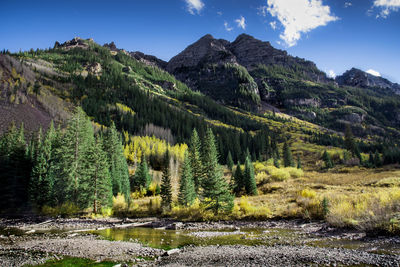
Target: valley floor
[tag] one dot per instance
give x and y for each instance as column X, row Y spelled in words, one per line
column 36, row 241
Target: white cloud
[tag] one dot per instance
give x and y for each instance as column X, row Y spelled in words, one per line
column 241, row 22
column 227, row 28
column 273, row 25
column 331, row 74
column 373, row 72
column 386, row 7
column 262, row 11
column 219, row 13
column 194, row 5
column 299, row 17
column 347, row 4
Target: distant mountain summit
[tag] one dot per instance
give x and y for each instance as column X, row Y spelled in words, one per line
column 220, row 68
column 358, row 78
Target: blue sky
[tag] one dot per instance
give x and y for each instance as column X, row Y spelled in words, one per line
column 335, row 34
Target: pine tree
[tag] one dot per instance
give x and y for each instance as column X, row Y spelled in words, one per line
column 187, row 193
column 117, row 161
column 287, row 156
column 43, row 173
column 238, row 183
column 350, row 143
column 299, row 165
column 99, row 182
column 327, row 160
column 229, row 161
column 15, row 169
column 215, row 189
column 77, row 140
column 195, row 160
column 166, row 187
column 249, row 179
column 142, row 178
column 377, row 159
column 371, row 160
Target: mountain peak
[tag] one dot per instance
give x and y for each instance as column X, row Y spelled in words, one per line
column 244, row 36
column 206, row 49
column 207, row 37
column 359, row 78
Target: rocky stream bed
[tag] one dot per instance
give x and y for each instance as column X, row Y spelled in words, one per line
column 162, row 242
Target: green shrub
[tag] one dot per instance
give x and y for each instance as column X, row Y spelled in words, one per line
column 294, row 172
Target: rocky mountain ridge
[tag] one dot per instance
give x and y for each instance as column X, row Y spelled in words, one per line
column 358, row 78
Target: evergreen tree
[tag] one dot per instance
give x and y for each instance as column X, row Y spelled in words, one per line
column 187, row 193
column 350, row 143
column 36, row 88
column 142, row 178
column 74, row 159
column 166, row 187
column 215, row 189
column 117, row 161
column 287, row 156
column 276, row 162
column 195, row 160
column 249, row 179
column 99, row 182
column 299, row 165
column 229, row 161
column 377, row 159
column 238, row 183
column 327, row 160
column 43, row 173
column 371, row 160
column 15, row 168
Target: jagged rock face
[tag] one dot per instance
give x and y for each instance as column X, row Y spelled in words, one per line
column 359, row 78
column 192, row 65
column 111, row 46
column 311, row 102
column 251, row 52
column 149, row 60
column 205, row 51
column 354, row 118
column 77, row 42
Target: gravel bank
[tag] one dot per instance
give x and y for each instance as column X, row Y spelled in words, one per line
column 273, row 256
column 21, row 251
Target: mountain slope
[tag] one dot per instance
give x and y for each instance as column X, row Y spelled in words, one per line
column 251, row 74
column 112, row 84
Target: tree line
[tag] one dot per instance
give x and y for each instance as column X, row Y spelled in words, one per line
column 74, row 165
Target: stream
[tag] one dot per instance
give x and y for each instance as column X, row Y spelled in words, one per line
column 162, row 242
column 170, row 239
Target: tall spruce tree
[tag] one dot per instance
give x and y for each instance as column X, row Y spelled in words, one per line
column 99, row 193
column 74, row 151
column 166, row 187
column 249, row 179
column 229, row 161
column 15, row 169
column 377, row 159
column 118, row 166
column 238, row 183
column 142, row 177
column 287, row 156
column 299, row 165
column 215, row 189
column 187, row 193
column 327, row 160
column 195, row 160
column 43, row 173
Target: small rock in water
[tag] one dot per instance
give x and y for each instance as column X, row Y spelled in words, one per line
column 171, row 251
